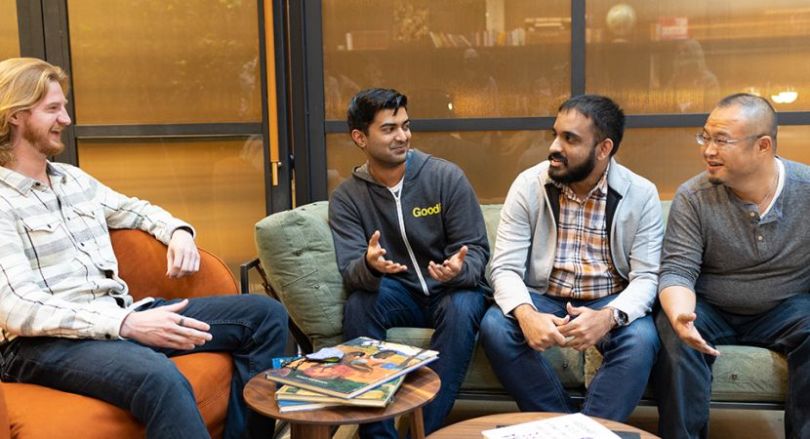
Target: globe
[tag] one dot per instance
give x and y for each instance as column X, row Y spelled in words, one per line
column 621, row 19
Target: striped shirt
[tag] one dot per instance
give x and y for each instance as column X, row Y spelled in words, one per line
column 583, row 268
column 58, row 273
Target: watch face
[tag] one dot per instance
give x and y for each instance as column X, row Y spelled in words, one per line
column 620, row 317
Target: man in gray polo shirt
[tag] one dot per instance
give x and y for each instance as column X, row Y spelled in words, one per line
column 735, row 267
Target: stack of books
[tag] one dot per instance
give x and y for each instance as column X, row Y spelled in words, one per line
column 362, row 372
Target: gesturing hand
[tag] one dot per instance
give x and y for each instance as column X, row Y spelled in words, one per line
column 182, row 258
column 539, row 329
column 588, row 327
column 684, row 326
column 450, row 268
column 375, row 257
column 164, row 327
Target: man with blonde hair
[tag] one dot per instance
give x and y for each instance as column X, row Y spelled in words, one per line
column 66, row 318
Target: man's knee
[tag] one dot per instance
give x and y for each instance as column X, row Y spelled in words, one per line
column 161, row 379
column 358, row 303
column 641, row 343
column 494, row 327
column 261, row 304
column 466, row 306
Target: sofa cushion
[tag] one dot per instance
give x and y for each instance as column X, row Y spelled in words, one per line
column 747, row 373
column 297, row 253
column 37, row 412
column 740, row 374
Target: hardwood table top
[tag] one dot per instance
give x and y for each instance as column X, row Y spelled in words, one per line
column 419, row 388
column 472, row 428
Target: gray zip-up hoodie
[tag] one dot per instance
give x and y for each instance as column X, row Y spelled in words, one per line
column 436, row 213
column 527, row 239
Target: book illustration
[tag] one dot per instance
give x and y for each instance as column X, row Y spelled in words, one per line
column 365, row 364
column 299, row 406
column 278, row 362
column 379, row 396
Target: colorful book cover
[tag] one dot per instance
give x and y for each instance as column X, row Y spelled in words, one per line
column 365, row 363
column 377, row 397
column 299, row 406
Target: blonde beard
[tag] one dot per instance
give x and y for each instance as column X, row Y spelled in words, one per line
column 43, row 144
column 50, row 149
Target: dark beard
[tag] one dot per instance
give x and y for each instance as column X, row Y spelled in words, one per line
column 575, row 174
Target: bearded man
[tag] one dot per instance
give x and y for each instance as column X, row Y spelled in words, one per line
column 576, row 264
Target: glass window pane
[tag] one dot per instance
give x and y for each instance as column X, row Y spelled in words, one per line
column 9, row 36
column 681, row 57
column 171, row 61
column 665, row 156
column 670, row 156
column 453, row 58
column 792, row 143
column 490, row 159
column 216, row 185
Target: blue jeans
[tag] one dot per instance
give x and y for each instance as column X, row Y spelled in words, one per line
column 683, row 376
column 142, row 380
column 455, row 316
column 629, row 353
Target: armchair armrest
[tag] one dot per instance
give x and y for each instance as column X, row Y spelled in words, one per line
column 5, row 427
column 244, row 275
column 142, row 264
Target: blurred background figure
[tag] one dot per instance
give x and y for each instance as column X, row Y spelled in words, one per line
column 694, row 86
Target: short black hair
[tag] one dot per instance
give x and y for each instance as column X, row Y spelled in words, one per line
column 365, row 105
column 607, row 117
column 757, row 108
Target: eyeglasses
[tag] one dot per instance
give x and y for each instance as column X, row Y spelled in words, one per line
column 722, row 142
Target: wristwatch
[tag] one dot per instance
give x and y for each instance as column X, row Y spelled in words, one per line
column 619, row 317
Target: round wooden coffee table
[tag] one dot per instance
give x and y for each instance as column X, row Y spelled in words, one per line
column 472, row 428
column 419, row 388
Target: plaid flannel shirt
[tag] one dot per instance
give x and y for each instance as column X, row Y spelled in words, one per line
column 58, row 273
column 583, row 268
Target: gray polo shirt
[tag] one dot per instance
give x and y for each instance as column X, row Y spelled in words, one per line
column 718, row 246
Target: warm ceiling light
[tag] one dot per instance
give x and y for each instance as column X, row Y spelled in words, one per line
column 785, row 97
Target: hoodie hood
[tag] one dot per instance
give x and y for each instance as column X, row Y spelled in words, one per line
column 415, row 161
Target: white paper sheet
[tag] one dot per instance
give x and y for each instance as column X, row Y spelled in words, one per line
column 576, row 426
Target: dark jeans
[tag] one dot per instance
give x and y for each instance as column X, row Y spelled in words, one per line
column 683, row 376
column 455, row 316
column 145, row 382
column 629, row 353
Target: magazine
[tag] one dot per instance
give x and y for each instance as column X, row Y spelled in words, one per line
column 377, row 397
column 298, row 406
column 361, row 364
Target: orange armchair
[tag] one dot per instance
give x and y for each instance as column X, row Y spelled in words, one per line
column 36, row 412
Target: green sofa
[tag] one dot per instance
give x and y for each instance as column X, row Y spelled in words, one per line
column 296, row 256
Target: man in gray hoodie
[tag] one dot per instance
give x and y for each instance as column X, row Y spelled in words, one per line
column 411, row 246
column 575, row 264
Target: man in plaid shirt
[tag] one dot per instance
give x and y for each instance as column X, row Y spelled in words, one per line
column 576, row 264
column 66, row 318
